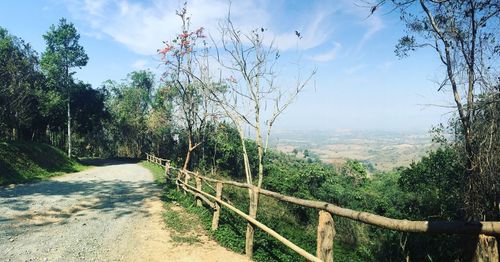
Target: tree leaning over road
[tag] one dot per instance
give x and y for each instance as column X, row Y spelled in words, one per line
column 63, row 52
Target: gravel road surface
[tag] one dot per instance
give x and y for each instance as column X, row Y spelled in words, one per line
column 107, row 213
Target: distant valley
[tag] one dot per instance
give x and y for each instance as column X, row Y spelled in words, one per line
column 383, row 150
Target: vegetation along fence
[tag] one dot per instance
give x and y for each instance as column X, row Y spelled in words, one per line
column 326, row 229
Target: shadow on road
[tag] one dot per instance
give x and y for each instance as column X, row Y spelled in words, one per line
column 108, row 161
column 57, row 201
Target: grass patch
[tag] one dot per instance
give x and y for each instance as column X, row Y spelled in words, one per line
column 184, row 225
column 157, row 171
column 25, row 161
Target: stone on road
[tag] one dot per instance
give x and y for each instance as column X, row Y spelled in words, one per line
column 107, row 213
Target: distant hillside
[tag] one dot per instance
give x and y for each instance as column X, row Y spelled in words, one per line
column 383, row 149
column 22, row 162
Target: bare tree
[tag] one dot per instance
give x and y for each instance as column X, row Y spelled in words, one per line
column 245, row 94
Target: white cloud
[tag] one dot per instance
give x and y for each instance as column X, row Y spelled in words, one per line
column 313, row 35
column 93, row 34
column 356, row 68
column 374, row 24
column 140, row 64
column 142, row 27
column 329, row 55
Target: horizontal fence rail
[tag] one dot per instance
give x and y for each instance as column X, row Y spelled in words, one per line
column 324, row 253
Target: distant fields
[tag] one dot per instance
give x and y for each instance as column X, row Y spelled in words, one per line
column 384, row 150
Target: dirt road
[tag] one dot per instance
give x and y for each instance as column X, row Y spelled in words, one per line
column 107, row 213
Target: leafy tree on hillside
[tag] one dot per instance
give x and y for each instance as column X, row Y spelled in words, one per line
column 63, row 52
column 130, row 106
column 89, row 118
column 159, row 122
column 433, row 190
column 21, row 87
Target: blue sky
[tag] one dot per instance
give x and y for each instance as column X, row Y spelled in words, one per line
column 360, row 83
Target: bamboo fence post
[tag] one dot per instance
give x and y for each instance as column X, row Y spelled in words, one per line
column 178, row 179
column 326, row 233
column 218, row 195
column 252, row 212
column 167, row 167
column 486, row 249
column 186, row 181
column 198, row 186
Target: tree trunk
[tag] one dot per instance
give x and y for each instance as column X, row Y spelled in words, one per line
column 188, row 154
column 252, row 212
column 69, row 128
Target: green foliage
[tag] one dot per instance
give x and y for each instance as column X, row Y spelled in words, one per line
column 32, row 103
column 140, row 117
column 433, row 189
column 21, row 87
column 63, row 52
column 22, row 162
column 434, row 186
column 89, row 119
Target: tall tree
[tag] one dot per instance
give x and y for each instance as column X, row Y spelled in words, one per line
column 463, row 34
column 62, row 54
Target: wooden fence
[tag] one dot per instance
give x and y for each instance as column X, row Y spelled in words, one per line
column 326, row 228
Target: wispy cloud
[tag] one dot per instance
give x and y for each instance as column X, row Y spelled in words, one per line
column 140, row 64
column 373, row 24
column 356, row 68
column 142, row 27
column 329, row 55
column 314, row 34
